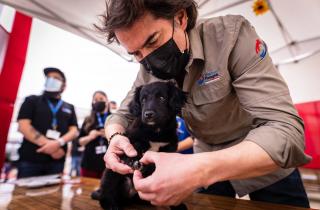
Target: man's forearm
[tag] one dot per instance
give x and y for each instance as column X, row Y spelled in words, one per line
column 245, row 160
column 113, row 128
column 30, row 133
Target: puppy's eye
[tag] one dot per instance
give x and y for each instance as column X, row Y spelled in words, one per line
column 162, row 99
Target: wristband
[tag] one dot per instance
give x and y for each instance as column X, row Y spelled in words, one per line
column 61, row 142
column 113, row 135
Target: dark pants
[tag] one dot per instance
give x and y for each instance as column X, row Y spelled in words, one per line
column 27, row 169
column 76, row 165
column 288, row 191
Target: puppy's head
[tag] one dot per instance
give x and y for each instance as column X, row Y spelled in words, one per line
column 157, row 103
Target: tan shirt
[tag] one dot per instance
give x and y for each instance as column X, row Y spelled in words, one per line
column 235, row 94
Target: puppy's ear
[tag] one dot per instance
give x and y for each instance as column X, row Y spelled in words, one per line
column 135, row 106
column 177, row 98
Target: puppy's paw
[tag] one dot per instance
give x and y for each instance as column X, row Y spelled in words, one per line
column 96, row 195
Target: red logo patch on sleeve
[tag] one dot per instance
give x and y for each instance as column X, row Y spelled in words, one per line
column 261, row 48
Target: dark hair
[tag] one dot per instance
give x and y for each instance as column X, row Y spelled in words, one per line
column 123, row 13
column 48, row 70
column 91, row 119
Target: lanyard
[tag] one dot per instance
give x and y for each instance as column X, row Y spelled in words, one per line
column 101, row 121
column 54, row 111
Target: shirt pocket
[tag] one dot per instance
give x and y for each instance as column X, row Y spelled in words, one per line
column 212, row 91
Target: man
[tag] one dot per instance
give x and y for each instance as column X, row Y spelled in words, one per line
column 249, row 137
column 47, row 124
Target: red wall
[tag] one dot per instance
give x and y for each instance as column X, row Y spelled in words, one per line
column 310, row 113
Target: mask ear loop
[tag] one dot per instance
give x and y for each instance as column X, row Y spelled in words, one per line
column 185, row 36
column 172, row 28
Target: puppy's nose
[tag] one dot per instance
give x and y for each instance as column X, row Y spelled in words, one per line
column 149, row 114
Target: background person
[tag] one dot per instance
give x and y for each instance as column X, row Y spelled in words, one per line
column 92, row 137
column 47, row 124
column 185, row 145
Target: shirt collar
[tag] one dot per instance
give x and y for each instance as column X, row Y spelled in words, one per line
column 196, row 44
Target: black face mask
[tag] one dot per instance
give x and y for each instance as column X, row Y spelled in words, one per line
column 52, row 95
column 99, row 106
column 166, row 62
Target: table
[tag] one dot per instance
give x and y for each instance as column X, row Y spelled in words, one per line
column 76, row 195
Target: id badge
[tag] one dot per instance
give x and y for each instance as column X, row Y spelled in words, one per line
column 53, row 134
column 101, row 149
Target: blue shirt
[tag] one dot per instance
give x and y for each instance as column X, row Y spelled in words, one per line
column 183, row 134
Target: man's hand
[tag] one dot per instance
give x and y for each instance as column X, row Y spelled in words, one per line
column 119, row 145
column 58, row 154
column 176, row 177
column 50, row 147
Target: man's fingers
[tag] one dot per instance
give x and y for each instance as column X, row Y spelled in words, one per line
column 142, row 184
column 41, row 149
column 121, row 168
column 128, row 149
column 117, row 166
column 149, row 157
column 147, row 196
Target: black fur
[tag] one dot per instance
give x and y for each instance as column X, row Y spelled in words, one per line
column 154, row 107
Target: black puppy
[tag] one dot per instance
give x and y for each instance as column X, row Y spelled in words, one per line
column 155, row 107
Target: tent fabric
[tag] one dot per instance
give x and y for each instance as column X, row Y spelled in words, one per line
column 4, row 37
column 78, row 16
column 310, row 113
column 11, row 74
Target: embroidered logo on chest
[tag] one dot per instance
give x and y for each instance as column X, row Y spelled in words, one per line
column 66, row 110
column 208, row 77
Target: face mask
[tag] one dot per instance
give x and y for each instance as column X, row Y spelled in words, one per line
column 166, row 62
column 99, row 106
column 52, row 85
column 113, row 110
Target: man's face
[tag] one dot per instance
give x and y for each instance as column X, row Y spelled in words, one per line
column 149, row 33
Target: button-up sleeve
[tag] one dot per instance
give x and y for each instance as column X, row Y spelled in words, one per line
column 263, row 93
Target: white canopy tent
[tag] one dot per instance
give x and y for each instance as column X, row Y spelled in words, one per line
column 291, row 31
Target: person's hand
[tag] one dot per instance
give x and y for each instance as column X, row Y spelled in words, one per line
column 58, row 154
column 119, row 145
column 102, row 133
column 49, row 147
column 176, row 177
column 94, row 134
column 42, row 140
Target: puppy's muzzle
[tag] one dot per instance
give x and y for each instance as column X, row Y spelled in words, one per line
column 149, row 116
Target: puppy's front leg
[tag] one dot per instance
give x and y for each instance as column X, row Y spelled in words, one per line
column 111, row 190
